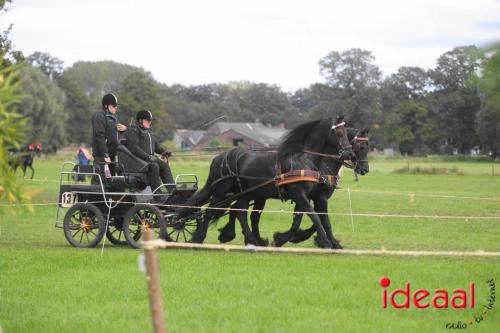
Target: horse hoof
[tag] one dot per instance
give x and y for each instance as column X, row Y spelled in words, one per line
column 251, row 241
column 276, row 240
column 197, row 240
column 337, row 246
column 263, row 242
column 322, row 244
column 223, row 238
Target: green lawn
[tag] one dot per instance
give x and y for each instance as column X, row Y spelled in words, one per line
column 48, row 286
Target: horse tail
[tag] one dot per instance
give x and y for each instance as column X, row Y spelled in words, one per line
column 202, row 196
column 196, row 200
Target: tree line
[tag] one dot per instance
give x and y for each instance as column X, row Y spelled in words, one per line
column 453, row 107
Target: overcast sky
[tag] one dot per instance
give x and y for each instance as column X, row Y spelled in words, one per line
column 273, row 41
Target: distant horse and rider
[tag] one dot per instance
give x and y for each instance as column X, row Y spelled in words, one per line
column 304, row 168
column 24, row 157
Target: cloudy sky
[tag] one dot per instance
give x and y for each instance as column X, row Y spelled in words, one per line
column 273, row 41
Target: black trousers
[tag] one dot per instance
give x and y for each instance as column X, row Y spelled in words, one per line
column 157, row 170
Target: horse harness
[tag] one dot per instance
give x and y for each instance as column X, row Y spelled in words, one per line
column 282, row 178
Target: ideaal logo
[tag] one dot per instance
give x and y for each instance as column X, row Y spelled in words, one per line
column 440, row 299
column 423, row 298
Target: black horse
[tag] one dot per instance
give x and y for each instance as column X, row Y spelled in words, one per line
column 238, row 176
column 329, row 170
column 361, row 148
column 24, row 157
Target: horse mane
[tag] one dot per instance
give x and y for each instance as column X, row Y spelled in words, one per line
column 307, row 135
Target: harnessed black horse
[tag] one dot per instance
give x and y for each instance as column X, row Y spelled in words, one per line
column 329, row 171
column 24, row 157
column 238, row 176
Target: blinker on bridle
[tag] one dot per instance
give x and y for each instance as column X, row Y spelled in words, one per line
column 342, row 148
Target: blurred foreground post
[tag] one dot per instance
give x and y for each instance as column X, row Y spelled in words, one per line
column 153, row 277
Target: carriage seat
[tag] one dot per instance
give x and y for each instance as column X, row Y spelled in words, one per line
column 131, row 167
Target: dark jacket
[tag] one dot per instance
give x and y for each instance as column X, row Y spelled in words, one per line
column 104, row 134
column 143, row 143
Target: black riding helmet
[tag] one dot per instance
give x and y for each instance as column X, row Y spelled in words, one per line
column 109, row 99
column 144, row 114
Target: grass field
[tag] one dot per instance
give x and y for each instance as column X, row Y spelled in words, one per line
column 48, row 286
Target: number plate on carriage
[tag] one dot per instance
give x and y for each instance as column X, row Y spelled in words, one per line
column 68, row 199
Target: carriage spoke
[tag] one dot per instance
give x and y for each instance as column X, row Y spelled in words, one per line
column 73, row 236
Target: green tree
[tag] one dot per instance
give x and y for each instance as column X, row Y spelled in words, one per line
column 194, row 106
column 455, row 101
column 488, row 117
column 315, row 102
column 407, row 84
column 43, row 103
column 355, row 81
column 12, row 128
column 267, row 104
column 409, row 126
column 140, row 91
column 51, row 66
column 99, row 78
column 12, row 124
column 7, row 52
column 79, row 108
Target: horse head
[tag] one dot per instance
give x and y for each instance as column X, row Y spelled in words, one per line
column 340, row 139
column 360, row 145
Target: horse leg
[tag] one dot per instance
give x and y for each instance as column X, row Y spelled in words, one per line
column 227, row 232
column 302, row 204
column 321, row 206
column 24, row 171
column 242, row 215
column 32, row 171
column 258, row 206
column 303, row 234
column 201, row 231
column 281, row 238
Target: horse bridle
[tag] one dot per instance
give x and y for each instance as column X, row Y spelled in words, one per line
column 342, row 148
column 356, row 139
column 341, row 151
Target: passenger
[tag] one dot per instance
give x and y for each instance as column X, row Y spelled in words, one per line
column 142, row 142
column 105, row 128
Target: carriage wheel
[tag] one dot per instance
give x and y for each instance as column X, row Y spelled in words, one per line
column 84, row 225
column 140, row 218
column 115, row 232
column 181, row 230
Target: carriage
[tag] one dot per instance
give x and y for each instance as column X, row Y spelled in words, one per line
column 121, row 207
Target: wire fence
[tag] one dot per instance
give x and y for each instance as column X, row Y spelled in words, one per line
column 414, row 194
column 282, row 211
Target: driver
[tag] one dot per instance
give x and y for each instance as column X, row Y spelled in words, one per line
column 142, row 142
column 105, row 128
